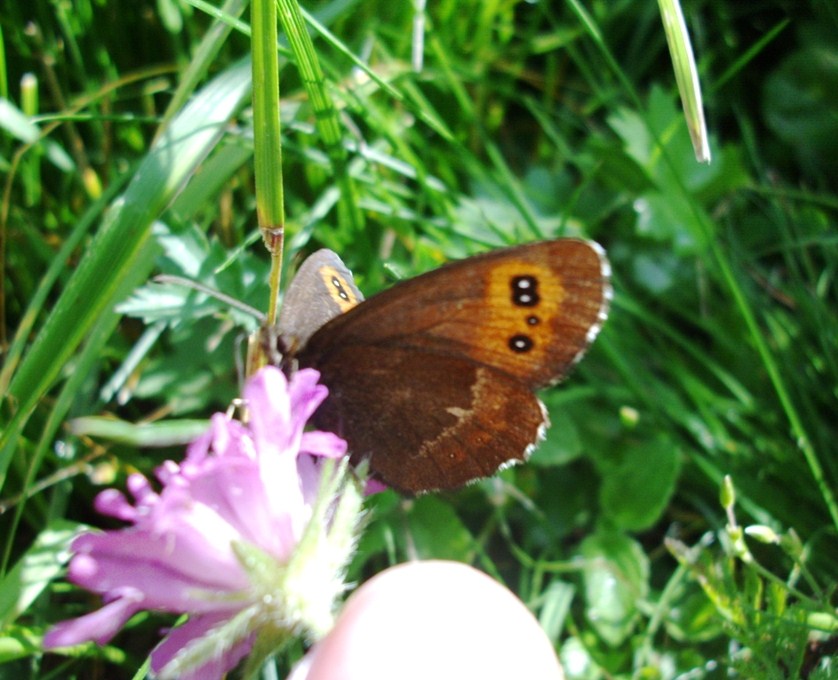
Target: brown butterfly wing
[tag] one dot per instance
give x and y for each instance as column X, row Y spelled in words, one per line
column 427, row 420
column 432, row 380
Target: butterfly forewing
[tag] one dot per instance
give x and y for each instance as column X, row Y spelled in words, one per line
column 531, row 310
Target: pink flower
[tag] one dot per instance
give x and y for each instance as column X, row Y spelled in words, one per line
column 221, row 541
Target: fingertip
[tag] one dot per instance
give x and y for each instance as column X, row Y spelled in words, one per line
column 437, row 619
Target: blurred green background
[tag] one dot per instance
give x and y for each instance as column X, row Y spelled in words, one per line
column 457, row 128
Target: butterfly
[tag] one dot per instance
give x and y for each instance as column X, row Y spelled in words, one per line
column 433, row 380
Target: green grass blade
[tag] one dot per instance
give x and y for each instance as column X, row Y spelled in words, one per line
column 119, row 245
column 325, row 112
column 686, row 75
column 204, row 56
column 267, row 135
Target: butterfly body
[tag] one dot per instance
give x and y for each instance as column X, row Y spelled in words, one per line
column 432, row 381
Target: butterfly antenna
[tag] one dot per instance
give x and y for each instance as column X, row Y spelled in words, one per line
column 206, row 290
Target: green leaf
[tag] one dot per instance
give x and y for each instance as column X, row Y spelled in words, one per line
column 635, row 494
column 693, row 617
column 437, row 532
column 555, row 607
column 616, row 579
column 37, row 567
column 562, row 442
column 17, row 643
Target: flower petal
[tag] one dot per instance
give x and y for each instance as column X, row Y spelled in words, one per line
column 269, row 410
column 326, row 444
column 99, row 626
column 195, row 628
column 305, row 395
